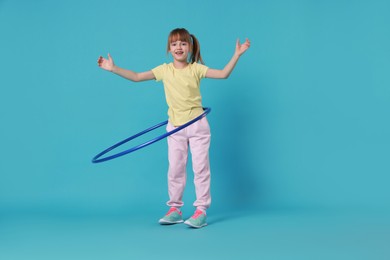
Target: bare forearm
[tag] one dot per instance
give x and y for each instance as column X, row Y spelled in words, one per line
column 226, row 71
column 125, row 73
column 230, row 66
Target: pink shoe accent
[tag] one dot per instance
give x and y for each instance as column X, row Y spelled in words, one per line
column 197, row 214
column 173, row 210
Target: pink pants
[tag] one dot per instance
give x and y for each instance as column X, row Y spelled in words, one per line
column 197, row 137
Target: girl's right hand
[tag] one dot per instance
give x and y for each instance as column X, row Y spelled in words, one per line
column 106, row 64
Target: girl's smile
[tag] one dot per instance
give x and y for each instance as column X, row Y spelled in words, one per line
column 180, row 50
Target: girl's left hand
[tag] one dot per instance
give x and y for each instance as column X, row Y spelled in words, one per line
column 241, row 48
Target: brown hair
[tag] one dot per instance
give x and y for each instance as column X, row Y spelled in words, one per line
column 181, row 34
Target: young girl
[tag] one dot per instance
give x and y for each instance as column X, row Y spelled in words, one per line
column 181, row 80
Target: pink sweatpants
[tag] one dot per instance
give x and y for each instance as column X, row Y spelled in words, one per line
column 197, row 137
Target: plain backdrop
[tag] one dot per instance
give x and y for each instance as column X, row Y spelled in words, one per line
column 303, row 121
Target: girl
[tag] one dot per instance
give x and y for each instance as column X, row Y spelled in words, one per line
column 181, row 80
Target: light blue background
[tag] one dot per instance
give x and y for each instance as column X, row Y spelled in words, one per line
column 302, row 122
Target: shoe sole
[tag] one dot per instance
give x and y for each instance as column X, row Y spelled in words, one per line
column 164, row 222
column 191, row 225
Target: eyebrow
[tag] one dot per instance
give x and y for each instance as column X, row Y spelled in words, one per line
column 178, row 41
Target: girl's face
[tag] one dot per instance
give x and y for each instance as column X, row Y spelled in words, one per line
column 179, row 50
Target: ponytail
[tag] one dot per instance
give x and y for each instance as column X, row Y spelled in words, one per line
column 195, row 55
column 183, row 35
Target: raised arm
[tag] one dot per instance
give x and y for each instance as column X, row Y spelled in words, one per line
column 224, row 74
column 109, row 65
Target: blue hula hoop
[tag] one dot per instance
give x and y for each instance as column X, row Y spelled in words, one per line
column 97, row 158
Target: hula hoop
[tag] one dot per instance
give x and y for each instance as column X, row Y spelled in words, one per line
column 97, row 158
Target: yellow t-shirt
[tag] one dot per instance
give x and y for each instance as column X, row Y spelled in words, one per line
column 182, row 90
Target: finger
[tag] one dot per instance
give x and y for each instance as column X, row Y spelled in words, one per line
column 238, row 44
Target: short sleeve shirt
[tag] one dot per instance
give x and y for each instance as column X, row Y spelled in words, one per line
column 182, row 90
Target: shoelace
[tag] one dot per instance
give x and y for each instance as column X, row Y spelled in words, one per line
column 197, row 214
column 172, row 210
